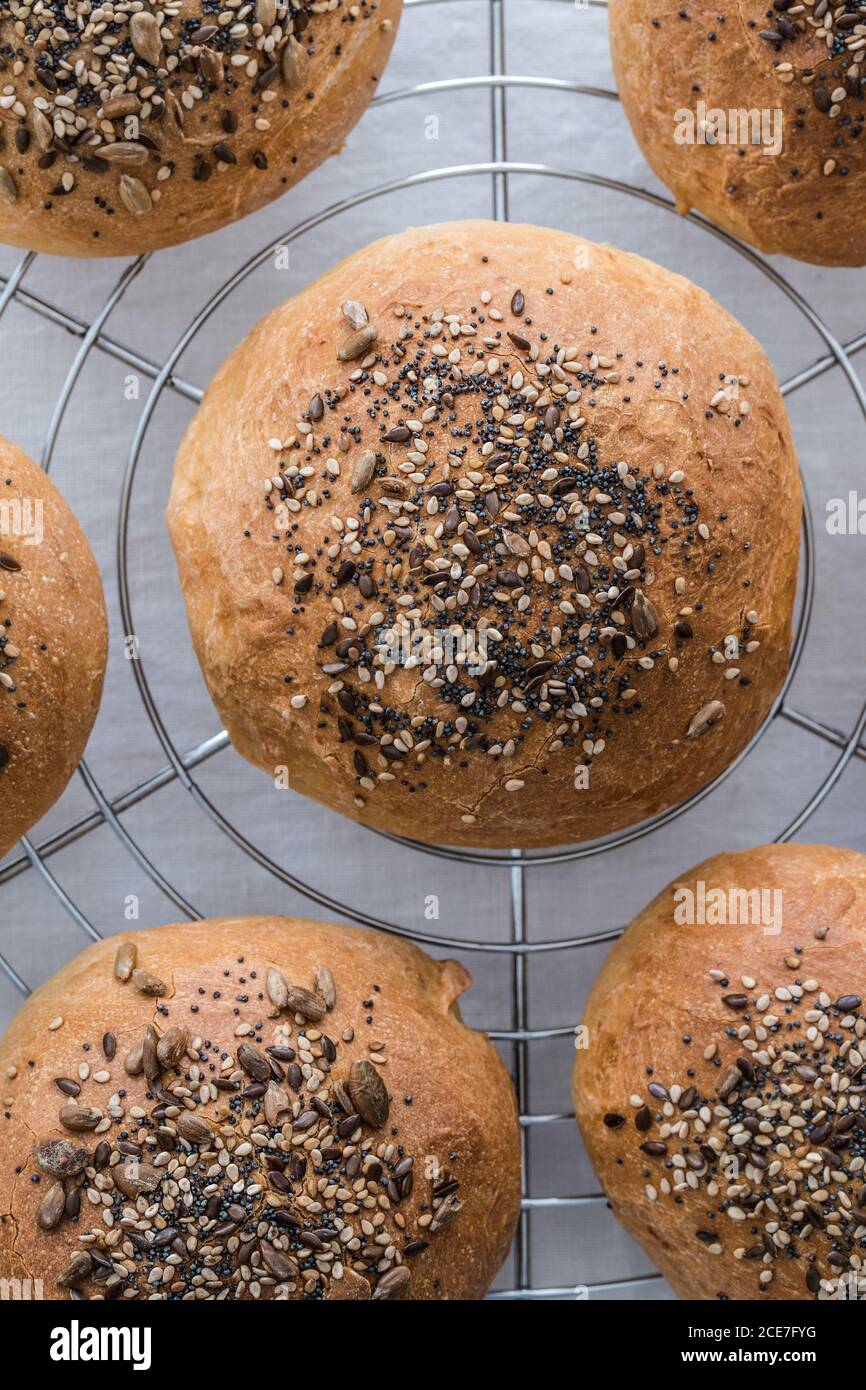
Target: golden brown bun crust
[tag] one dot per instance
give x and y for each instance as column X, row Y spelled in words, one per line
column 452, row 1104
column 259, row 640
column 53, row 610
column 218, row 147
column 654, row 990
column 792, row 203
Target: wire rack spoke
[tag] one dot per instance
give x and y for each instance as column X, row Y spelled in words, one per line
column 78, row 328
column 820, row 729
column 128, row 799
column 10, row 286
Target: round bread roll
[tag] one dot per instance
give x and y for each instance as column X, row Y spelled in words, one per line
column 255, row 1107
column 146, row 125
column 754, row 115
column 722, row 1090
column 490, row 537
column 53, row 643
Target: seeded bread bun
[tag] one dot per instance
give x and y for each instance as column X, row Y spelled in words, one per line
column 53, row 643
column 255, row 1107
column 787, row 170
column 525, row 446
column 722, row 1091
column 151, row 125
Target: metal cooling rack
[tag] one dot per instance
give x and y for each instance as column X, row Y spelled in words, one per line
column 182, row 764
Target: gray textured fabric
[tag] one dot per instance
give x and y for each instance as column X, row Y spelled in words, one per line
column 556, row 42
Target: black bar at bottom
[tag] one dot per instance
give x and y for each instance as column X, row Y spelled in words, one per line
column 148, row 1336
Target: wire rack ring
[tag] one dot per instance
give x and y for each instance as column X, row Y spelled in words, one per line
column 176, row 758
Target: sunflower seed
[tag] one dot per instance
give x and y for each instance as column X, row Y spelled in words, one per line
column 51, row 1208
column 147, row 983
column 354, row 313
column 171, row 1047
column 369, row 1094
column 276, row 1105
column 294, row 64
column 326, row 987
column 192, row 1129
column 254, row 1062
column 515, row 544
column 80, row 1118
column 731, row 1079
column 101, row 1155
column 8, row 186
column 126, row 104
column 445, row 1212
column 281, row 1266
column 145, row 36
column 149, row 1055
column 363, row 469
column 124, row 960
column 43, row 130
column 60, row 1157
column 357, row 343
column 343, row 1099
column 173, row 113
column 303, row 1001
column 109, row 1046
column 278, row 989
column 393, row 1284
column 644, row 616
column 211, row 66
column 123, row 154
column 265, row 77
column 134, row 1178
column 134, row 195
column 705, row 718
column 78, row 1269
column 132, row 1062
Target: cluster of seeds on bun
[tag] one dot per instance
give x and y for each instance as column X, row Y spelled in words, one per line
column 102, row 90
column 488, row 541
column 836, row 85
column 772, row 1163
column 9, row 652
column 262, row 1168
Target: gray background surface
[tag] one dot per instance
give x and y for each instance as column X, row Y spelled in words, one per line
column 570, row 1244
